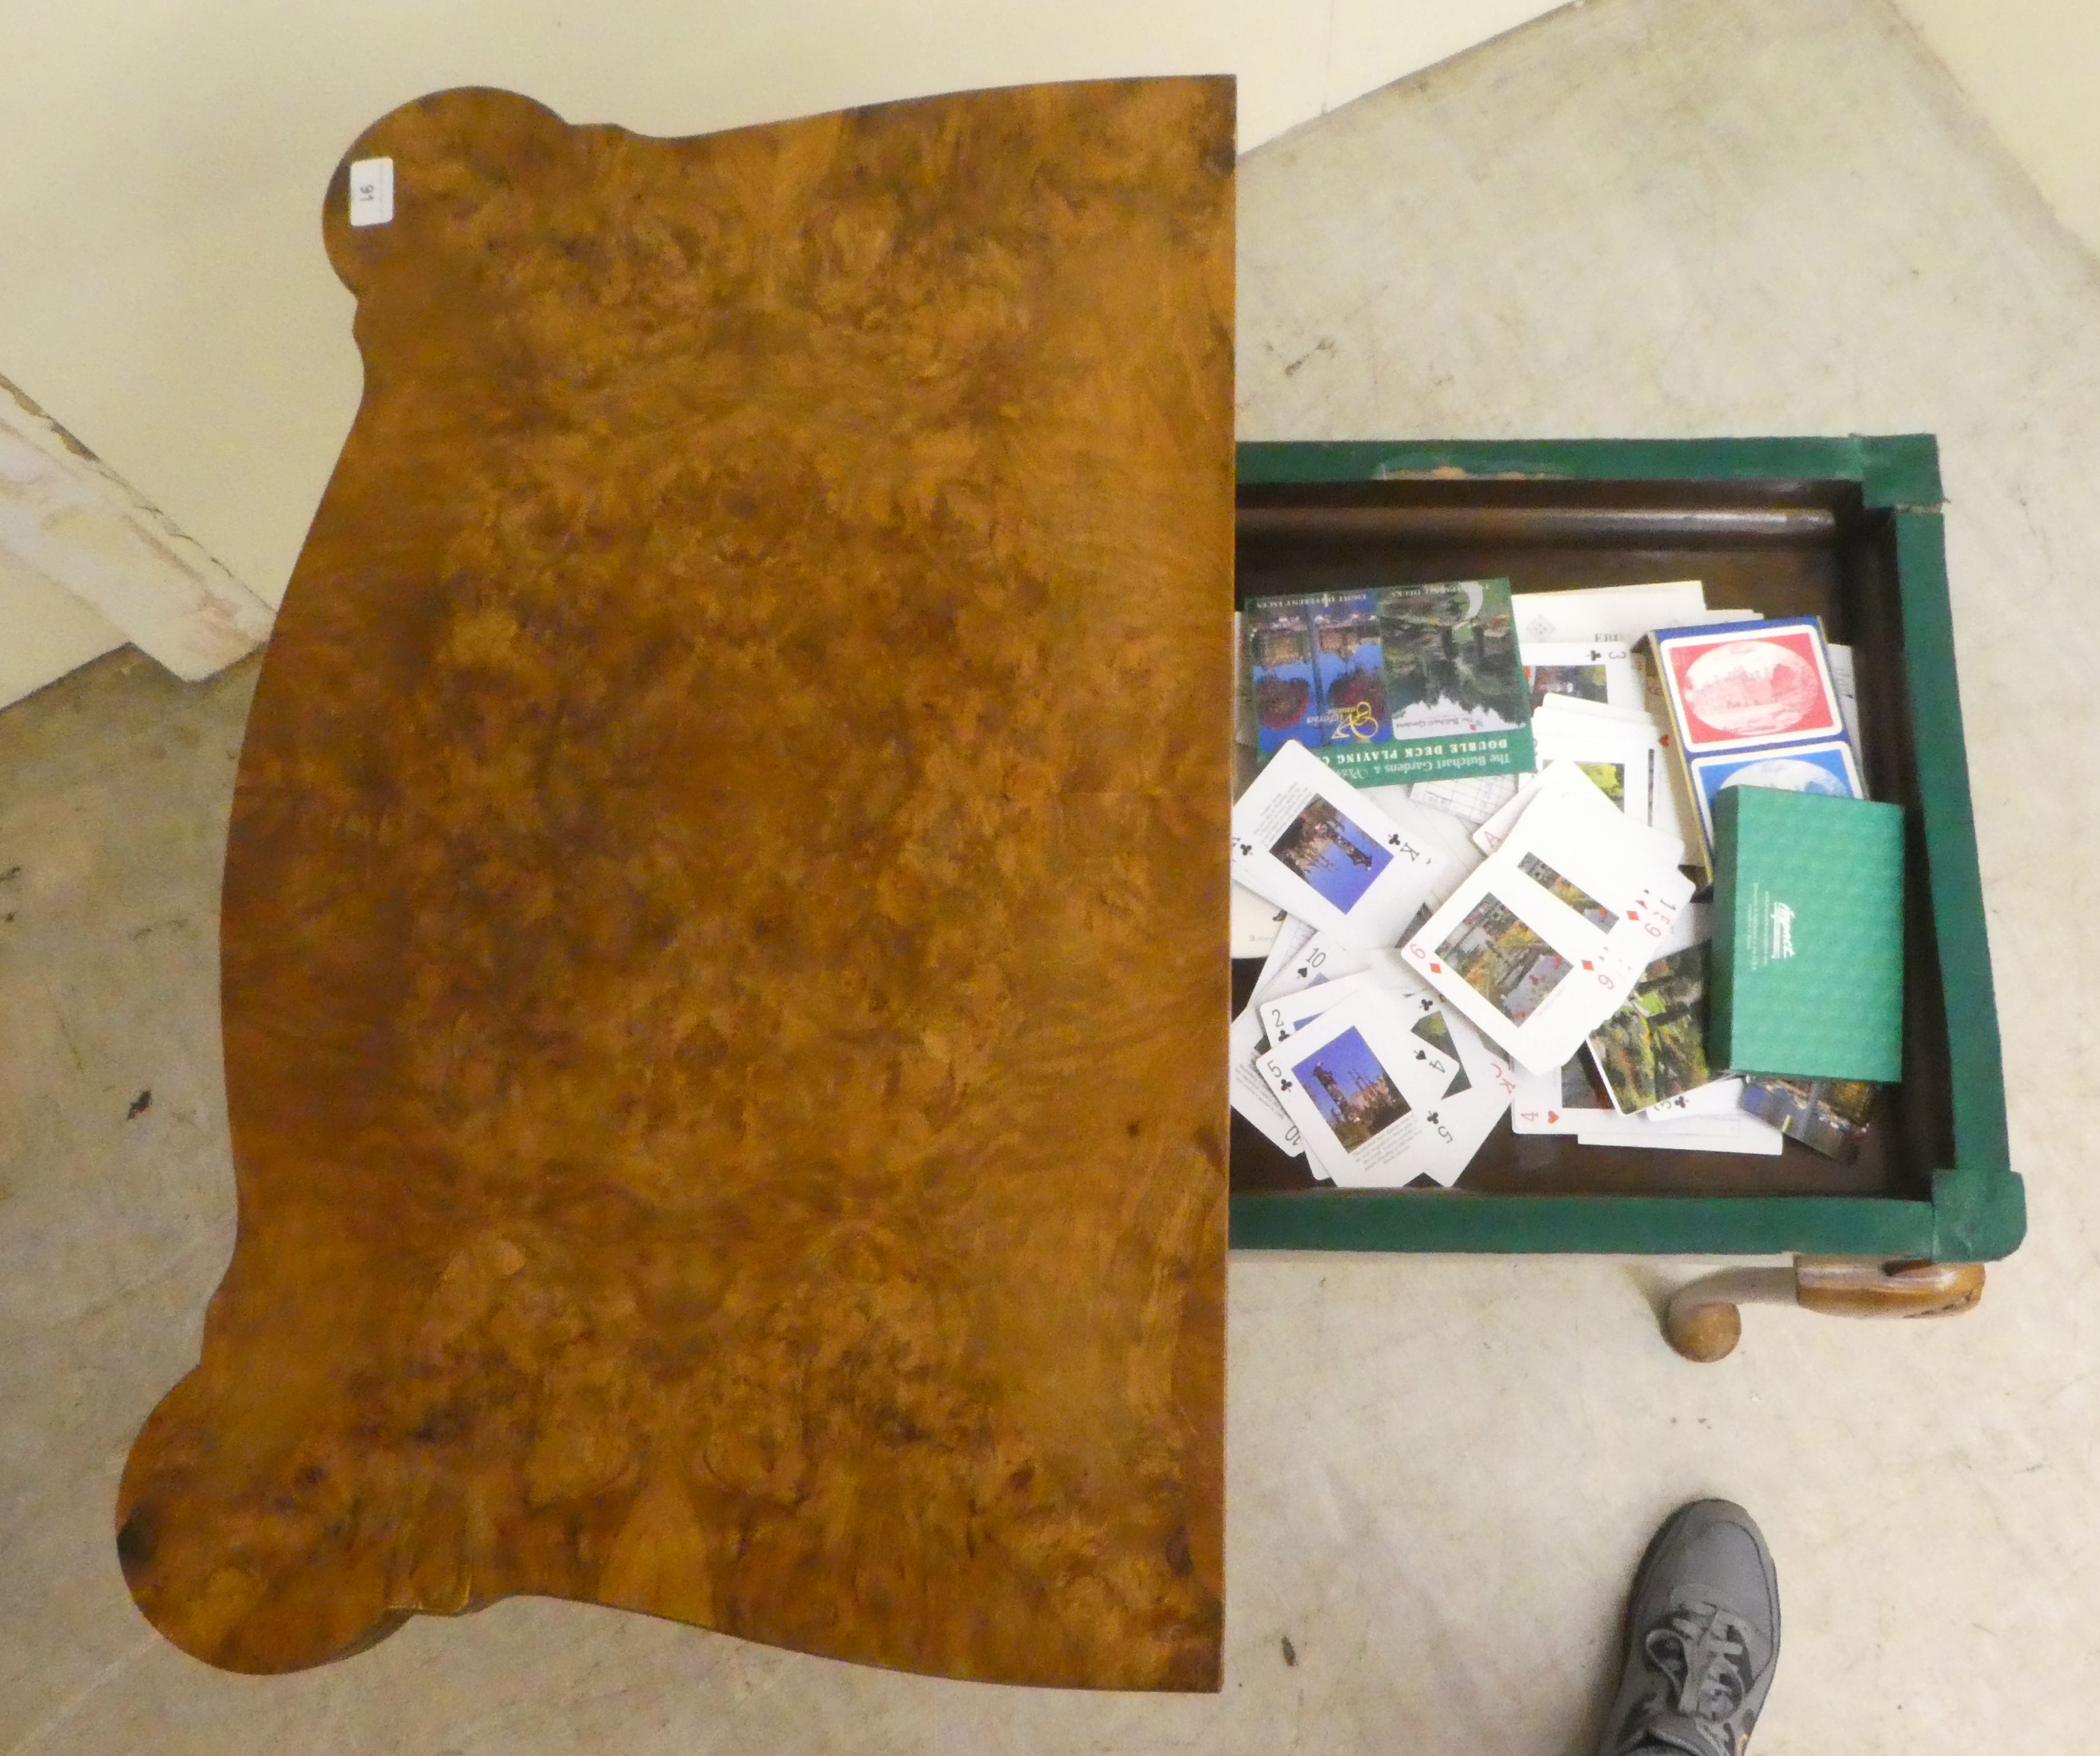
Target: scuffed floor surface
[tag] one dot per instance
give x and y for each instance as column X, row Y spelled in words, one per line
column 1638, row 217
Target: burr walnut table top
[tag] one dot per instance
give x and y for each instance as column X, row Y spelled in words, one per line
column 724, row 1002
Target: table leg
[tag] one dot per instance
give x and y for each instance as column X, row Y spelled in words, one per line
column 1703, row 1320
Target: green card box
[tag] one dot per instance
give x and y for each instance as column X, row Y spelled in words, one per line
column 1847, row 529
column 1808, row 948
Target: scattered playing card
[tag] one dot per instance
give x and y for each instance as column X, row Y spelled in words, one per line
column 1717, row 1097
column 1321, row 958
column 1653, row 1049
column 1542, row 943
column 1606, row 612
column 1473, row 1102
column 1613, row 749
column 1310, row 842
column 1566, row 779
column 1282, row 1017
column 1560, row 1100
column 1249, row 1092
column 1473, row 801
column 1832, row 1117
column 1254, row 922
column 1366, row 1092
column 1601, row 670
column 1741, row 1132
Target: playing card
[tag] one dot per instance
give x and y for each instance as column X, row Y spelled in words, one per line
column 1283, row 1017
column 1834, row 1117
column 1472, row 802
column 1653, row 1049
column 1569, row 778
column 1670, row 807
column 1542, row 942
column 1613, row 749
column 1495, row 831
column 1606, row 612
column 1443, row 832
column 1254, row 923
column 1473, row 1102
column 1848, row 699
column 1292, row 936
column 1310, row 843
column 1571, row 1100
column 1741, row 1132
column 1717, row 1097
column 1560, row 1100
column 1362, row 1087
column 1249, row 1093
column 1326, row 973
column 1601, row 670
column 1319, row 958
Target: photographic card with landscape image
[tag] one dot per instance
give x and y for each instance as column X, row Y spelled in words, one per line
column 1654, row 1047
column 1602, row 671
column 1310, row 843
column 1739, row 686
column 1362, row 1088
column 1830, row 768
column 1541, row 944
column 1832, row 1117
column 1392, row 683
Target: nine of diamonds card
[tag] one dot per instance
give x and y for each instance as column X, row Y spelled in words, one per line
column 1542, row 943
column 1310, row 843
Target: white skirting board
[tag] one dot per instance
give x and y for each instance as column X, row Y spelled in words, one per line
column 70, row 528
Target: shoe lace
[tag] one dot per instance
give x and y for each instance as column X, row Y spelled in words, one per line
column 1701, row 1656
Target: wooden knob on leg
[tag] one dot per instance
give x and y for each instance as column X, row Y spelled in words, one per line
column 1703, row 1320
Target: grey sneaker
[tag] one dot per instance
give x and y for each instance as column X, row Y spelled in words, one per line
column 1702, row 1638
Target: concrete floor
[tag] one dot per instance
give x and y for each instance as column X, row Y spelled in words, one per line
column 1636, row 217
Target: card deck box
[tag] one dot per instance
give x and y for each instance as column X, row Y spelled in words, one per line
column 1807, row 962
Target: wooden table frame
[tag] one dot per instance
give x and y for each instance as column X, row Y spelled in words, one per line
column 1964, row 1206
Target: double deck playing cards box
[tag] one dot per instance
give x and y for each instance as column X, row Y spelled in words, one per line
column 1392, row 683
column 1806, row 976
column 1754, row 704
